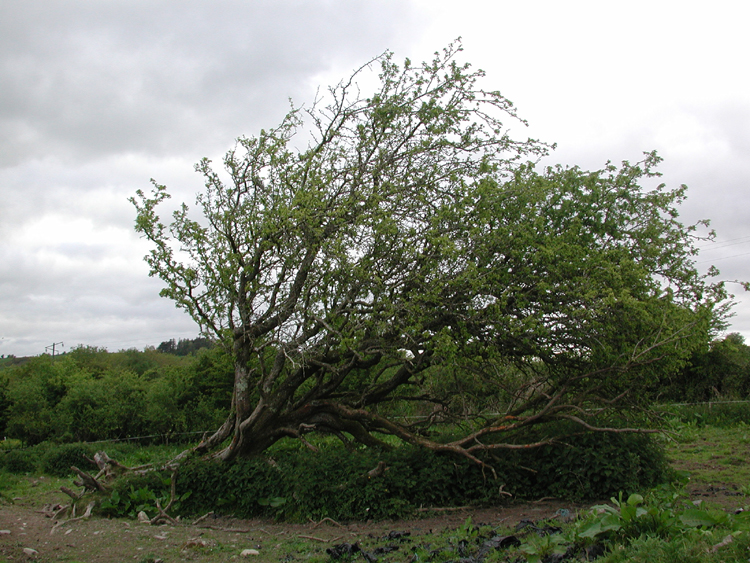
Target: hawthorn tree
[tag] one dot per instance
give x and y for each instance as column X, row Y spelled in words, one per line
column 375, row 255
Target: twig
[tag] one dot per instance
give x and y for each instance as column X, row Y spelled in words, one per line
column 202, row 518
column 320, row 539
column 326, row 520
column 237, row 530
column 85, row 515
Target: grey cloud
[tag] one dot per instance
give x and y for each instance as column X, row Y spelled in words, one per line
column 97, row 97
column 84, row 301
column 82, row 79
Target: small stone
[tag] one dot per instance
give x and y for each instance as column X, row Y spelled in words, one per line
column 4, row 532
column 30, row 552
column 249, row 552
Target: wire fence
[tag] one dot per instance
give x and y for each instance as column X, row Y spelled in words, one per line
column 709, row 403
column 173, row 435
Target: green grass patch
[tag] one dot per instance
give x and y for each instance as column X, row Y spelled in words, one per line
column 712, row 456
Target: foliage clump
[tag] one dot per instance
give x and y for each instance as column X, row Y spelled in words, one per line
column 293, row 484
column 717, row 371
column 90, row 394
column 58, row 460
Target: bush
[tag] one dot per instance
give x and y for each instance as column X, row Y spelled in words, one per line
column 134, row 493
column 298, row 485
column 597, row 465
column 722, row 415
column 19, row 461
column 58, row 460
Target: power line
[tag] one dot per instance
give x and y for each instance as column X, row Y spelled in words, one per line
column 725, row 243
column 53, row 347
column 724, row 258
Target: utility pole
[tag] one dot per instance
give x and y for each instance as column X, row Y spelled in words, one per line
column 53, row 347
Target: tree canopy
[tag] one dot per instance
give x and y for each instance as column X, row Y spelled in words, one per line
column 399, row 253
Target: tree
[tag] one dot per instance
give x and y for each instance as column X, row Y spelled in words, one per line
column 410, row 244
column 719, row 370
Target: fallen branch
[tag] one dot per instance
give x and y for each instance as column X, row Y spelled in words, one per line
column 320, row 539
column 85, row 515
column 60, row 512
column 87, row 481
column 52, row 510
column 162, row 515
column 202, row 518
column 271, row 533
column 163, row 511
column 71, row 493
column 221, row 529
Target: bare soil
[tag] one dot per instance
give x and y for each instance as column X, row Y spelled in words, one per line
column 25, row 526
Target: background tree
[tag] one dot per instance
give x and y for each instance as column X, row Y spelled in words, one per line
column 399, row 242
column 718, row 370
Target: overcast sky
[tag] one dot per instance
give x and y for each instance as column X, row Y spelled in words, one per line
column 98, row 97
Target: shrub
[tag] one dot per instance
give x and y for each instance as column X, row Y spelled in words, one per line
column 135, row 492
column 722, row 415
column 297, row 485
column 59, row 459
column 19, row 461
column 597, row 465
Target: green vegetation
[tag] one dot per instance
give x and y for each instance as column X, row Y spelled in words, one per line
column 659, row 524
column 294, row 485
column 719, row 370
column 90, row 394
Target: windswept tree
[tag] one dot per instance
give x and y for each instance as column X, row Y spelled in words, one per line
column 372, row 252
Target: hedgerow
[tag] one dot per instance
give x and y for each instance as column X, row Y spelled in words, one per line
column 298, row 485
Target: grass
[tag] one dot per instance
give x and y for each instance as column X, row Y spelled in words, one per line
column 716, row 459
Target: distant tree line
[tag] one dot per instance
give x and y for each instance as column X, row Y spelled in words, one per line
column 184, row 346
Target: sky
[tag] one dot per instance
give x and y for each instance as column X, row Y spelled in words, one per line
column 98, row 97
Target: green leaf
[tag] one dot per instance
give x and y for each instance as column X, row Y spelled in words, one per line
column 695, row 518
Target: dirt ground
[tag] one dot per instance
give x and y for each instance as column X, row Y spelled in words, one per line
column 24, row 526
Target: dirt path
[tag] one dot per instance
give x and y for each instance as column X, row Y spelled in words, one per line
column 25, row 526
